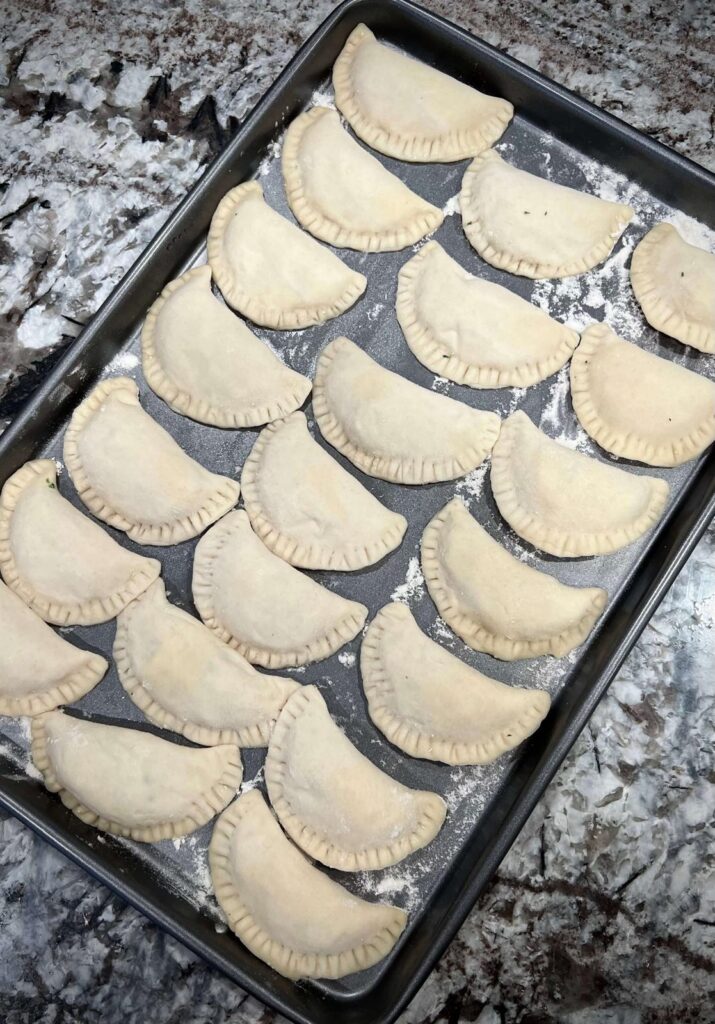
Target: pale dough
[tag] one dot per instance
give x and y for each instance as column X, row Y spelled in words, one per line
column 132, row 783
column 533, row 227
column 335, row 803
column 343, row 195
column 205, row 363
column 565, row 502
column 271, row 271
column 639, row 405
column 430, row 704
column 475, row 332
column 184, row 678
column 131, row 473
column 60, row 562
column 409, row 110
column 309, row 510
column 274, row 615
column 38, row 669
column 286, row 911
column 495, row 602
column 675, row 285
column 394, row 429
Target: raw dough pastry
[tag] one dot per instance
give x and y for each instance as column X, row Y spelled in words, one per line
column 64, row 566
column 394, row 429
column 132, row 474
column 675, row 285
column 533, row 227
column 272, row 614
column 343, row 195
column 184, row 678
column 495, row 602
column 409, row 110
column 205, row 363
column 638, row 405
column 475, row 332
column 287, row 912
column 310, row 511
column 333, row 802
column 270, row 270
column 565, row 502
column 130, row 782
column 38, row 669
column 430, row 704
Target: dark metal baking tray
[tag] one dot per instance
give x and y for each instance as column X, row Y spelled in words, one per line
column 554, row 133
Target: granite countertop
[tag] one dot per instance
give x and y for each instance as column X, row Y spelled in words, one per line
column 604, row 910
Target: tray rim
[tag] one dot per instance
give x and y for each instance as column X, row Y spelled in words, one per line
column 694, row 520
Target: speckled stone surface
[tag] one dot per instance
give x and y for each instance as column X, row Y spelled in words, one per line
column 604, row 911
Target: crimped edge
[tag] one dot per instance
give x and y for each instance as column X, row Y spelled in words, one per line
column 287, row 961
column 552, row 539
column 329, row 230
column 436, row 355
column 656, row 309
column 320, row 847
column 451, row 146
column 220, row 794
column 196, row 408
column 632, row 445
column 472, row 632
column 85, row 613
column 402, row 471
column 379, row 689
column 223, row 497
column 313, row 556
column 67, row 690
column 248, row 305
column 254, row 735
column 208, row 551
column 479, row 236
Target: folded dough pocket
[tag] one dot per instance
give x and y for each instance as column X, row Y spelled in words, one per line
column 335, row 803
column 60, row 562
column 533, row 227
column 409, row 110
column 131, row 473
column 274, row 615
column 132, row 783
column 286, row 911
column 343, row 195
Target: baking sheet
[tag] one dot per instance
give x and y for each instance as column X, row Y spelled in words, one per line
column 604, row 293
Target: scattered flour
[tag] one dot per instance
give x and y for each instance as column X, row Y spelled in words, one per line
column 451, row 207
column 123, row 362
column 413, row 588
column 470, row 487
column 346, row 658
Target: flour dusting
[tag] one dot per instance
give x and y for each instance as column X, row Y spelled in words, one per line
column 413, row 588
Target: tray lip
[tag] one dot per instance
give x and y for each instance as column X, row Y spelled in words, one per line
column 73, row 846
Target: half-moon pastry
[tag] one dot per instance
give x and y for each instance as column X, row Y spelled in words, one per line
column 131, row 473
column 674, row 283
column 637, row 404
column 495, row 602
column 132, row 783
column 475, row 332
column 274, row 615
column 270, row 270
column 205, row 363
column 343, row 195
column 394, row 429
column 61, row 563
column 533, row 227
column 307, row 509
column 409, row 110
column 335, row 803
column 565, row 502
column 184, row 678
column 286, row 911
column 430, row 704
column 38, row 669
